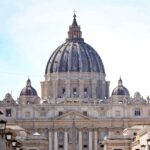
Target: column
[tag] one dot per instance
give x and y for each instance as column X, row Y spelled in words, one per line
column 80, row 140
column 50, row 140
column 55, row 141
column 93, row 89
column 107, row 88
column 68, row 90
column 103, row 90
column 95, row 140
column 54, row 88
column 90, row 140
column 42, row 90
column 66, row 141
column 81, row 87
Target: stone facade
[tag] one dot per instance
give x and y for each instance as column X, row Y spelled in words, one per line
column 92, row 121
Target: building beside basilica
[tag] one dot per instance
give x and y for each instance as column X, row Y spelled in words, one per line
column 75, row 111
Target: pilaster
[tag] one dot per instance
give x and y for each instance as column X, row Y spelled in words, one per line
column 80, row 140
column 55, row 140
column 90, row 140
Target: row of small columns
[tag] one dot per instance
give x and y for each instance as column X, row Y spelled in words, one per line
column 66, row 140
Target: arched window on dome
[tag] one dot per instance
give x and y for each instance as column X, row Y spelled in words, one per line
column 75, row 93
column 63, row 92
column 85, row 92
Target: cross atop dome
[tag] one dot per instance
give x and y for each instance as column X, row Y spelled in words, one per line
column 74, row 23
column 74, row 11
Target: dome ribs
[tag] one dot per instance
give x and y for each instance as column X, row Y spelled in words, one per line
column 54, row 65
column 47, row 70
column 100, row 66
column 86, row 48
column 80, row 58
column 69, row 56
column 74, row 59
column 63, row 64
column 85, row 59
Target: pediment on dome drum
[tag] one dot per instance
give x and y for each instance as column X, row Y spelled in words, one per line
column 72, row 116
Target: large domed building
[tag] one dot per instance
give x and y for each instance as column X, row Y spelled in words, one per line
column 75, row 111
column 75, row 70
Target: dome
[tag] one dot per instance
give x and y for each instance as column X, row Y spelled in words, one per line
column 137, row 95
column 120, row 89
column 74, row 55
column 28, row 90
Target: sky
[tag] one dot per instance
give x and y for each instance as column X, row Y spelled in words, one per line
column 30, row 30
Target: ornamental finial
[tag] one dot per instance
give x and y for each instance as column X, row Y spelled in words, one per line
column 28, row 82
column 74, row 33
column 120, row 82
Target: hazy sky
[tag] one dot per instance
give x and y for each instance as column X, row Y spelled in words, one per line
column 30, row 30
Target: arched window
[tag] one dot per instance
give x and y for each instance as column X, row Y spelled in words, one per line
column 117, row 133
column 72, row 136
column 8, row 112
column 75, row 92
column 60, row 136
column 137, row 112
column 85, row 92
column 85, row 136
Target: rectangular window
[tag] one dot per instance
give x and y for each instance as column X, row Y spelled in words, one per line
column 8, row 113
column 117, row 113
column 101, row 108
column 42, row 113
column 74, row 90
column 63, row 91
column 60, row 113
column 102, row 134
column 27, row 114
column 61, row 146
column 85, row 146
column 85, row 90
column 137, row 112
column 85, row 113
